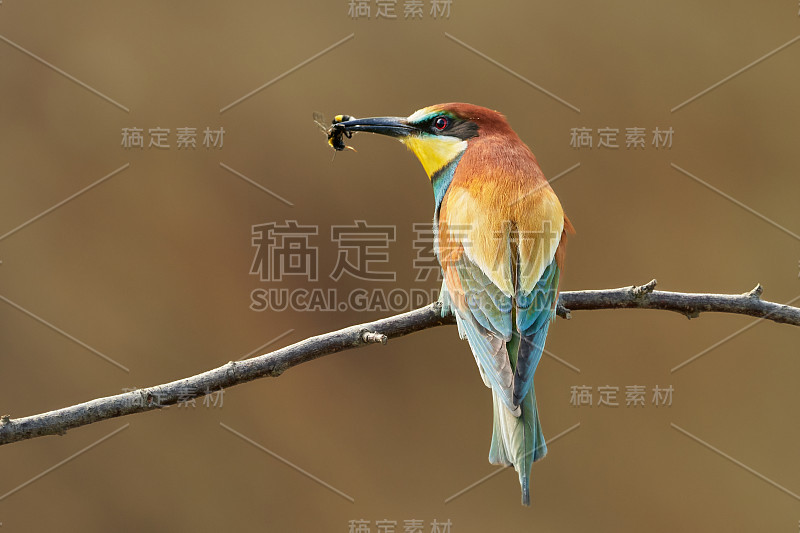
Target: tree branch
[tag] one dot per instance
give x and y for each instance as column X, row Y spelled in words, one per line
column 686, row 303
column 275, row 363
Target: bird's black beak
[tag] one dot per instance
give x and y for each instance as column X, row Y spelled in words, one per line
column 392, row 126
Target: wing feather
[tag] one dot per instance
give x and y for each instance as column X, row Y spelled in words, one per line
column 502, row 280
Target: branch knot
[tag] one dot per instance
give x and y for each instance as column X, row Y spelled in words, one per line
column 643, row 290
column 755, row 294
column 371, row 337
column 231, row 370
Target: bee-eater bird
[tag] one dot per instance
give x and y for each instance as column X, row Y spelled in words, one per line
column 500, row 234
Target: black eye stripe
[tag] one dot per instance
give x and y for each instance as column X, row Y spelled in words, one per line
column 454, row 127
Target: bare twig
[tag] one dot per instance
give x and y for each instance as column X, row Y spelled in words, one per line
column 275, row 363
column 686, row 303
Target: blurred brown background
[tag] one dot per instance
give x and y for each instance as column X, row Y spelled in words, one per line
column 151, row 266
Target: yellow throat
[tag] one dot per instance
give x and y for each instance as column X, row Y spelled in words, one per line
column 434, row 151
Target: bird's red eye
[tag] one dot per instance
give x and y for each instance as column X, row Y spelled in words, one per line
column 440, row 123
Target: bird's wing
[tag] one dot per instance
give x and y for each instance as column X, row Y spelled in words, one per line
column 501, row 275
column 540, row 225
column 534, row 311
column 482, row 306
column 484, row 316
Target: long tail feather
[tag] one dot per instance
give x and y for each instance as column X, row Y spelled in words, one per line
column 517, row 440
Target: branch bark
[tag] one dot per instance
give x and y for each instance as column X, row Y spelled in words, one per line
column 273, row 364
